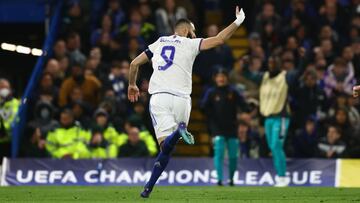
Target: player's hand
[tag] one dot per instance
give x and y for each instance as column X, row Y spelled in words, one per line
column 240, row 16
column 356, row 91
column 133, row 93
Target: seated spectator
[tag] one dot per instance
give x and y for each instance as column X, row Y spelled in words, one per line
column 9, row 107
column 73, row 46
column 166, row 17
column 339, row 78
column 103, row 126
column 341, row 120
column 89, row 85
column 354, row 115
column 249, row 141
column 68, row 140
column 134, row 147
column 38, row 128
column 306, row 139
column 331, row 146
column 144, row 134
column 99, row 147
column 81, row 112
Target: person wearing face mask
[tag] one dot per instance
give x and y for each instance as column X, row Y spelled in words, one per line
column 8, row 109
column 221, row 104
column 37, row 129
column 69, row 140
column 90, row 87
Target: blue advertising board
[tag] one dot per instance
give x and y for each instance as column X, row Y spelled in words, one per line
column 180, row 171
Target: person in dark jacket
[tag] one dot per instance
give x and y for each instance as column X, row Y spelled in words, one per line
column 134, row 147
column 221, row 104
column 306, row 139
column 331, row 146
column 309, row 99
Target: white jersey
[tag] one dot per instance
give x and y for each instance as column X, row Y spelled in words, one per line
column 172, row 59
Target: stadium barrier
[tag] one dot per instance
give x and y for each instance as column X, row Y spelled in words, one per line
column 181, row 171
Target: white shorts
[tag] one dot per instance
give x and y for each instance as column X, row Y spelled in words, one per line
column 167, row 111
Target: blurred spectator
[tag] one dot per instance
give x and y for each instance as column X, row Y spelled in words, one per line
column 331, row 146
column 309, row 99
column 105, row 138
column 9, row 107
column 206, row 61
column 133, row 49
column 330, row 15
column 354, row 115
column 116, row 13
column 236, row 77
column 341, row 120
column 89, row 85
column 81, row 112
column 249, row 141
column 118, row 80
column 73, row 45
column 138, row 28
column 59, row 49
column 75, row 18
column 146, row 12
column 106, row 28
column 68, row 140
column 135, row 121
column 166, row 17
column 37, row 130
column 339, row 78
column 53, row 68
column 105, row 127
column 306, row 139
column 46, row 86
column 134, row 147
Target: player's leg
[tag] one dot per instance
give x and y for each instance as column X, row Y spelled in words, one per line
column 219, row 150
column 182, row 111
column 233, row 154
column 166, row 133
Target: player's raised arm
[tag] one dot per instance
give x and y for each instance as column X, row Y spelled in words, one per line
column 133, row 90
column 225, row 34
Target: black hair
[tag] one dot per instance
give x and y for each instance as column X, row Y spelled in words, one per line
column 182, row 21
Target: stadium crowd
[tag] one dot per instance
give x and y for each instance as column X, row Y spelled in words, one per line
column 80, row 107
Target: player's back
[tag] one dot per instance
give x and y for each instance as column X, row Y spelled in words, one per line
column 172, row 61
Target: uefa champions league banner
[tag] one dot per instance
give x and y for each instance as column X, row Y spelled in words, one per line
column 180, row 171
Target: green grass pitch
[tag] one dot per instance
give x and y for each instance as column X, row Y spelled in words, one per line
column 178, row 194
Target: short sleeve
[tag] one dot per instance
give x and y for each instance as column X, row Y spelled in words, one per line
column 149, row 51
column 195, row 45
